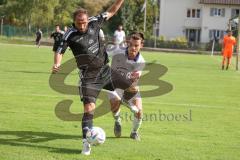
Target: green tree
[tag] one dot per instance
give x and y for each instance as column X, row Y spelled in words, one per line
column 63, row 11
column 43, row 13
column 3, row 2
column 132, row 18
column 50, row 12
column 30, row 12
column 93, row 7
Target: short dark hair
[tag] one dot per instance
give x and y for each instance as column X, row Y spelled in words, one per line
column 137, row 36
column 228, row 30
column 57, row 25
column 78, row 11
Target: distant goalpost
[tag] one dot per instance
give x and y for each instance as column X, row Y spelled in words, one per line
column 234, row 24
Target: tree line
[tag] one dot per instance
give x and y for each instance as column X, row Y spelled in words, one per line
column 47, row 13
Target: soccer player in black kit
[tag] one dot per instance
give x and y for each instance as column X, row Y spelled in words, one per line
column 91, row 58
column 57, row 36
column 38, row 37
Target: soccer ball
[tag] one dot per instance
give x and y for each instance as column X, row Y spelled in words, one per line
column 96, row 136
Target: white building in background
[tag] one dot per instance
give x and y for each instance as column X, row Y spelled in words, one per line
column 197, row 20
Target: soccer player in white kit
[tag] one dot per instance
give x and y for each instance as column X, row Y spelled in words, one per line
column 131, row 61
column 119, row 36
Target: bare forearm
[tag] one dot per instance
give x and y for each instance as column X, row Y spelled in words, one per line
column 57, row 59
column 114, row 8
column 57, row 62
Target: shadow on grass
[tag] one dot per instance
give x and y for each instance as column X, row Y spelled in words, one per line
column 122, row 137
column 30, row 72
column 37, row 72
column 22, row 61
column 33, row 140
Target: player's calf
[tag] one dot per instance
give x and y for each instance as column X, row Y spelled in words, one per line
column 136, row 125
column 127, row 96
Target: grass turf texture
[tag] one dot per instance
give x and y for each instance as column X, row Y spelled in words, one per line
column 29, row 128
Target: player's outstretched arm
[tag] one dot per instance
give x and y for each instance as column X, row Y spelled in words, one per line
column 58, row 56
column 57, row 62
column 114, row 8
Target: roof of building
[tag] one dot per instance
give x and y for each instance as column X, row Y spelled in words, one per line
column 226, row 2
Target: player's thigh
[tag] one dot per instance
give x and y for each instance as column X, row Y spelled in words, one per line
column 115, row 104
column 55, row 47
column 89, row 107
column 137, row 102
column 114, row 95
column 89, row 91
column 120, row 81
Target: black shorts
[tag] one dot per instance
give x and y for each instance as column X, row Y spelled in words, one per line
column 38, row 40
column 55, row 47
column 104, row 78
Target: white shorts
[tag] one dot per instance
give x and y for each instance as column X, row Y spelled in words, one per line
column 118, row 93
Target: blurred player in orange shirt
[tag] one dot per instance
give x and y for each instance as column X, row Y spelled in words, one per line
column 227, row 48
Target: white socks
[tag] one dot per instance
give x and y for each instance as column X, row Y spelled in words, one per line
column 116, row 116
column 136, row 124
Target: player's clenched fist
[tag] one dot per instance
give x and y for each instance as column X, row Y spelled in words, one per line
column 55, row 69
column 135, row 75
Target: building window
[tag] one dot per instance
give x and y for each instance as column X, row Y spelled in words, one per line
column 193, row 35
column 198, row 13
column 216, row 34
column 235, row 12
column 217, row 12
column 189, row 13
column 193, row 13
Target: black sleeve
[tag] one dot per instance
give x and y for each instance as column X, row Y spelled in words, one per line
column 99, row 19
column 52, row 35
column 62, row 47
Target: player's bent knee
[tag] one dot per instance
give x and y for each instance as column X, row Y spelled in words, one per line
column 139, row 114
column 89, row 108
column 130, row 92
column 115, row 105
column 133, row 89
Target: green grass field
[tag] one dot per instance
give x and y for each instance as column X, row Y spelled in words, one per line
column 29, row 128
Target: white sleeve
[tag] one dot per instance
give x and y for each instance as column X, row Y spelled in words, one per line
column 101, row 34
column 115, row 34
column 141, row 64
column 124, row 35
column 115, row 51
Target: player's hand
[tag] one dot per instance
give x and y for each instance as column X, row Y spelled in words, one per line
column 55, row 69
column 135, row 75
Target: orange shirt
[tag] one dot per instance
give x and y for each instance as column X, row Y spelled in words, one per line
column 229, row 42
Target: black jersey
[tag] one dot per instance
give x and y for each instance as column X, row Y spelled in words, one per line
column 87, row 48
column 39, row 34
column 57, row 36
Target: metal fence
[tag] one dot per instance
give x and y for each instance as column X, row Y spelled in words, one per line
column 13, row 31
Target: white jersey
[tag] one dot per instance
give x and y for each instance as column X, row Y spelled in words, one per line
column 119, row 37
column 123, row 64
column 101, row 35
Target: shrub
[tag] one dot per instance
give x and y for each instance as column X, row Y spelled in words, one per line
column 178, row 43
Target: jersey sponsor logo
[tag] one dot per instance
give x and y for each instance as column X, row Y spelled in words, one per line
column 91, row 41
column 94, row 48
column 78, row 40
column 91, row 31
